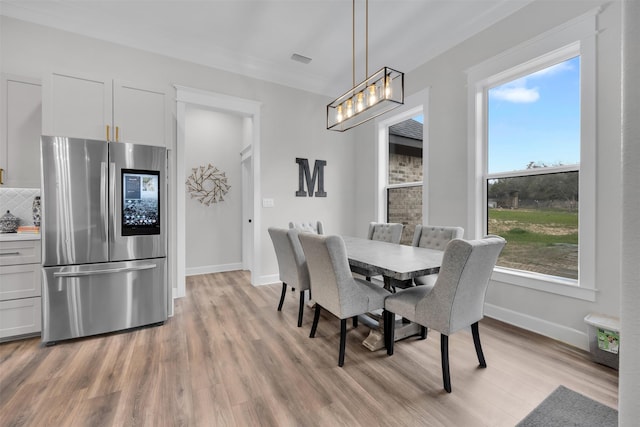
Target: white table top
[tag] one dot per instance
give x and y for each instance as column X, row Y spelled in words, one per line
column 399, row 262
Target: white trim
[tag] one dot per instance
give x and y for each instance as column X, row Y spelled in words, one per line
column 544, row 283
column 552, row 330
column 405, row 185
column 563, row 35
column 180, row 289
column 224, row 103
column 206, row 269
column 576, row 37
column 534, row 171
column 268, row 279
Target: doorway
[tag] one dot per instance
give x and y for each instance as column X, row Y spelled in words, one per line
column 248, row 159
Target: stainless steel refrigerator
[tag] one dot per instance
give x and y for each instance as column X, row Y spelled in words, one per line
column 103, row 234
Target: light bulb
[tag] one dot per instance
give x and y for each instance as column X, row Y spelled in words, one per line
column 339, row 116
column 360, row 102
column 373, row 98
column 387, row 87
column 349, row 108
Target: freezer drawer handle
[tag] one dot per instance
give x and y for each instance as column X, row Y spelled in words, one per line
column 9, row 253
column 108, row 271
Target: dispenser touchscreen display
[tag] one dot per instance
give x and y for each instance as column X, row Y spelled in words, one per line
column 140, row 202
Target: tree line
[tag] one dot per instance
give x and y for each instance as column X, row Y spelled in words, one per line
column 558, row 189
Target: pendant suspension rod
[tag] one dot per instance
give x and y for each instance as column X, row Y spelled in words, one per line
column 366, row 41
column 353, row 41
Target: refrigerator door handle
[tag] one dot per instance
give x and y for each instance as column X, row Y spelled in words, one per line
column 112, row 200
column 103, row 200
column 106, row 271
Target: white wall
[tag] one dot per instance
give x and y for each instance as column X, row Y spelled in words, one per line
column 292, row 121
column 629, row 393
column 214, row 232
column 445, row 76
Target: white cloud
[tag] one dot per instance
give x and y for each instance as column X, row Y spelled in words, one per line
column 517, row 94
column 517, row 91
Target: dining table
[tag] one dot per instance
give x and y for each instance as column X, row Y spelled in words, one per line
column 398, row 265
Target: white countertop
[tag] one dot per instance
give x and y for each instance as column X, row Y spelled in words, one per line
column 8, row 237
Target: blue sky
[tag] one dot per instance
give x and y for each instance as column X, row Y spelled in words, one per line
column 536, row 118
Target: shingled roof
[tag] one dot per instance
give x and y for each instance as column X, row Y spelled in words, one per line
column 408, row 129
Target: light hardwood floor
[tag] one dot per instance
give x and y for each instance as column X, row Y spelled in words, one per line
column 228, row 357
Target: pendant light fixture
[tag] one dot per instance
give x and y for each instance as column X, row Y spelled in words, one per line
column 378, row 93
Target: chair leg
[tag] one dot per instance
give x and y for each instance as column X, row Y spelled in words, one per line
column 444, row 354
column 423, row 332
column 343, row 341
column 390, row 331
column 316, row 317
column 301, row 308
column 284, row 291
column 355, row 321
column 476, row 342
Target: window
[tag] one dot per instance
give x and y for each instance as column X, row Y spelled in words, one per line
column 533, row 130
column 532, row 176
column 404, row 175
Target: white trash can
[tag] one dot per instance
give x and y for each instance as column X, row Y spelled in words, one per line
column 604, row 339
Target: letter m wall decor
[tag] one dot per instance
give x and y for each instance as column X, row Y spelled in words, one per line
column 305, row 176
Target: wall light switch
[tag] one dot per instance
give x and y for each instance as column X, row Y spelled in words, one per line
column 267, row 203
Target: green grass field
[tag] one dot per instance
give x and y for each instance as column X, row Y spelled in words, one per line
column 544, row 241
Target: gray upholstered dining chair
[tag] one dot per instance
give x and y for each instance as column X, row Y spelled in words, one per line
column 291, row 264
column 433, row 237
column 454, row 302
column 308, row 226
column 334, row 288
column 390, row 232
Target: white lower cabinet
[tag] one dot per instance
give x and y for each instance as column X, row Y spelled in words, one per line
column 20, row 289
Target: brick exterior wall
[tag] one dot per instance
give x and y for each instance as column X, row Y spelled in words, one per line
column 405, row 204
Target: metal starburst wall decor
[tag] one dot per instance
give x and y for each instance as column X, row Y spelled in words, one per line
column 207, row 184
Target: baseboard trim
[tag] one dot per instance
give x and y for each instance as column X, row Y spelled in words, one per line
column 268, row 279
column 220, row 268
column 558, row 332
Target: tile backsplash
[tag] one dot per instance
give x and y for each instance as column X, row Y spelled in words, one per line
column 20, row 202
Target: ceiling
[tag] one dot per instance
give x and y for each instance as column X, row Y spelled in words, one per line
column 256, row 38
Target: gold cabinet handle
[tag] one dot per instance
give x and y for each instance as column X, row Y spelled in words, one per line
column 117, row 134
column 107, row 132
column 1, row 176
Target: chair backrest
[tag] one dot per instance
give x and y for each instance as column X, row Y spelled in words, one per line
column 385, row 231
column 332, row 282
column 308, row 226
column 457, row 299
column 435, row 237
column 291, row 260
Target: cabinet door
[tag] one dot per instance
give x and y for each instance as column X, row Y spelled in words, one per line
column 139, row 113
column 21, row 128
column 19, row 281
column 20, row 317
column 76, row 106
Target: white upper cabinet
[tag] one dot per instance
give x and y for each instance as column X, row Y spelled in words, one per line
column 101, row 108
column 76, row 106
column 139, row 114
column 21, row 121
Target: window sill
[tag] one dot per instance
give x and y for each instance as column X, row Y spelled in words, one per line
column 553, row 285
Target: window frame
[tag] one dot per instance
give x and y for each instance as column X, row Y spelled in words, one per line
column 575, row 38
column 416, row 104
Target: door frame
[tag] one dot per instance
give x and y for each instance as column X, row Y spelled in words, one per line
column 227, row 104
